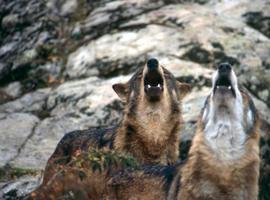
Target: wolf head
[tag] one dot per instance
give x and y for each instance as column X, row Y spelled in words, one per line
column 227, row 98
column 229, row 117
column 150, row 87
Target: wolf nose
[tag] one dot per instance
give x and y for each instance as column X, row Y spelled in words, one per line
column 224, row 68
column 152, row 64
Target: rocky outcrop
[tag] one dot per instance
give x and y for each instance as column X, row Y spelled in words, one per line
column 58, row 60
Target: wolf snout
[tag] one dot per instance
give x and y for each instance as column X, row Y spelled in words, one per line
column 153, row 80
column 224, row 68
column 152, row 64
column 224, row 80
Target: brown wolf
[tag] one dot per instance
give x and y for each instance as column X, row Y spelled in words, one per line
column 150, row 126
column 224, row 158
column 223, row 161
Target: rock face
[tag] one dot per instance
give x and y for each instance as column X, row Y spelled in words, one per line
column 58, row 60
column 16, row 128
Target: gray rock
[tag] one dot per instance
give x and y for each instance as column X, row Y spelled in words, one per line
column 4, row 70
column 63, row 7
column 41, row 145
column 69, row 7
column 85, row 96
column 220, row 39
column 16, row 128
column 8, row 48
column 13, row 89
column 74, row 105
column 10, row 21
column 31, row 102
column 19, row 188
column 192, row 105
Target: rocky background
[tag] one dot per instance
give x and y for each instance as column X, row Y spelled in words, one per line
column 59, row 58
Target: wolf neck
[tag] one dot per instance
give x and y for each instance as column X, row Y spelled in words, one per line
column 223, row 163
column 224, row 132
column 154, row 123
column 151, row 134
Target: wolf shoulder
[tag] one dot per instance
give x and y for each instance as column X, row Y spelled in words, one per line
column 97, row 137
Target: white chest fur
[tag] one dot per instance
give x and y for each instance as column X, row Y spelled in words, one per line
column 224, row 133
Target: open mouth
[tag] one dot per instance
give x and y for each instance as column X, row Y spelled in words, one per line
column 224, row 84
column 153, row 85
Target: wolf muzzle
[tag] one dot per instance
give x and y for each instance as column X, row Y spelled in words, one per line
column 153, row 80
column 223, row 83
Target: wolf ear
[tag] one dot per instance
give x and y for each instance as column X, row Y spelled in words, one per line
column 184, row 89
column 121, row 90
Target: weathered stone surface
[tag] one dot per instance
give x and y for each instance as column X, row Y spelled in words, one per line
column 31, row 102
column 73, row 105
column 13, row 89
column 20, row 187
column 41, row 145
column 16, row 128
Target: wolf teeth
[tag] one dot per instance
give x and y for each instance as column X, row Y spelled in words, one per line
column 158, row 85
column 148, row 86
column 217, row 87
column 229, row 87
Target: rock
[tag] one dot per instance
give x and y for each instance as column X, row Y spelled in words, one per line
column 41, row 145
column 74, row 105
column 22, row 26
column 4, row 97
column 16, row 128
column 10, row 21
column 192, row 105
column 257, row 81
column 8, row 49
column 109, row 15
column 19, row 188
column 220, row 39
column 3, row 70
column 83, row 96
column 31, row 102
column 69, row 7
column 13, row 89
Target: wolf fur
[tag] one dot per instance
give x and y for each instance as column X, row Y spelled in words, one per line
column 149, row 129
column 223, row 161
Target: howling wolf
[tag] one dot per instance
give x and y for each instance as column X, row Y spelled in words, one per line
column 223, row 162
column 149, row 130
column 224, row 158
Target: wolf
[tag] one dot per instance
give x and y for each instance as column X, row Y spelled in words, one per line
column 149, row 129
column 223, row 161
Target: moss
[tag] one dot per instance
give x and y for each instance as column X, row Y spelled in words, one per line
column 10, row 173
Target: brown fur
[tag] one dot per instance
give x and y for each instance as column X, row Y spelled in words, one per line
column 149, row 130
column 206, row 177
